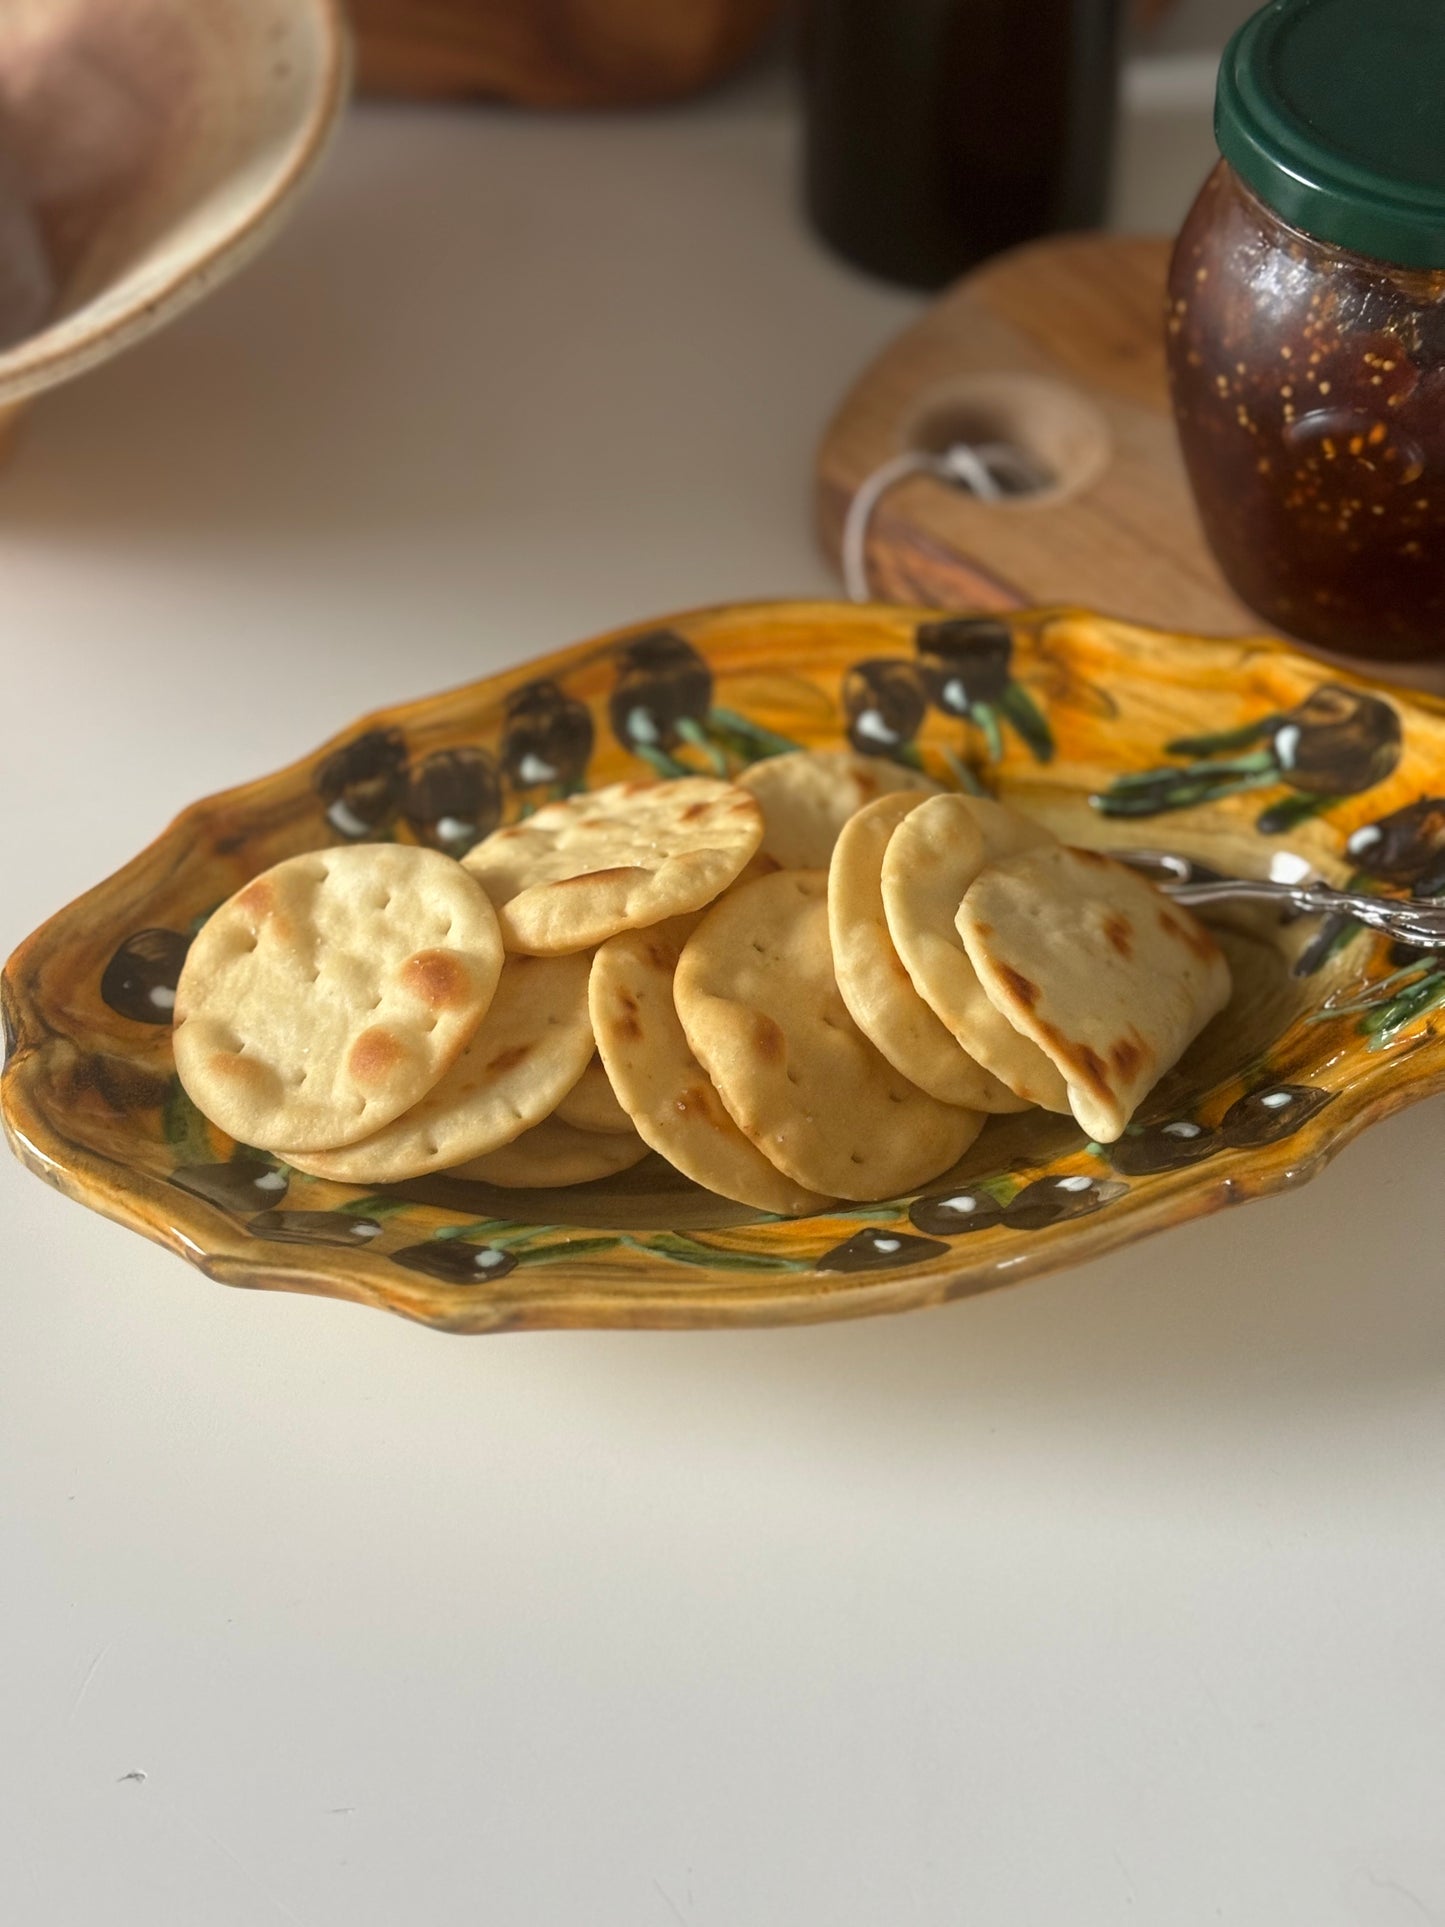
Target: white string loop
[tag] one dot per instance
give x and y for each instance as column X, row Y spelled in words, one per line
column 976, row 469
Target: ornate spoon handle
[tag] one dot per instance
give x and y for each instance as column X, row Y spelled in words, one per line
column 1408, row 920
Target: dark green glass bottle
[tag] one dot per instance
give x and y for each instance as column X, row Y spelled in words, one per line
column 941, row 131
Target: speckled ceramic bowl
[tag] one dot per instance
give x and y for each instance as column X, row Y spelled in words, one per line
column 147, row 149
column 1243, row 754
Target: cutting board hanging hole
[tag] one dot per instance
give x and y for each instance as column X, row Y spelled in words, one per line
column 1054, row 441
column 1054, row 354
column 1009, row 441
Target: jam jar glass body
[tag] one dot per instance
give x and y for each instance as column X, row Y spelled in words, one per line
column 1309, row 393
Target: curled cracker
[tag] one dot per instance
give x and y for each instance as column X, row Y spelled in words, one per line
column 668, row 1095
column 581, row 870
column 760, row 1008
column 1106, row 977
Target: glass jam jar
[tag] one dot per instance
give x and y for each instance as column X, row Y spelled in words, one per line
column 1306, row 325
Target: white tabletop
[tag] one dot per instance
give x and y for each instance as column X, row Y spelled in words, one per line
column 1115, row 1597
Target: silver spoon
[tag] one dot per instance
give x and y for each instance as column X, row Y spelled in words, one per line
column 1407, row 921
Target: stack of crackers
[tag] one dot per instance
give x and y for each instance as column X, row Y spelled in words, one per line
column 813, row 983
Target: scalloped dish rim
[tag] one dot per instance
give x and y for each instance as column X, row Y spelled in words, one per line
column 636, row 1289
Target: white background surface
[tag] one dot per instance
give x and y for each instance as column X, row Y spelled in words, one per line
column 1116, row 1597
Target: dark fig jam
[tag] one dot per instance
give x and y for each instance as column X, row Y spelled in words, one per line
column 1306, row 325
column 1309, row 392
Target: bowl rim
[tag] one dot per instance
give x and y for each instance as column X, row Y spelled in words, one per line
column 39, row 362
column 226, row 1253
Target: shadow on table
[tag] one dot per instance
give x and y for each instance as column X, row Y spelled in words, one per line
column 1292, row 1312
column 311, row 393
column 421, row 353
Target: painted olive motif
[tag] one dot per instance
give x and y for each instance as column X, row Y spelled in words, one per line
column 314, row 1227
column 1049, row 1201
column 1163, row 1147
column 362, row 784
column 140, row 980
column 455, row 1262
column 454, row 799
column 547, row 737
column 1335, row 743
column 884, row 703
column 245, row 1184
column 122, row 1085
column 875, row 1249
column 663, row 684
column 966, row 664
column 964, row 661
column 1406, row 848
column 1266, row 1116
column 949, row 1214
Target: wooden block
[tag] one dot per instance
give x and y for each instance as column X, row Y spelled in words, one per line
column 554, row 53
column 1058, row 347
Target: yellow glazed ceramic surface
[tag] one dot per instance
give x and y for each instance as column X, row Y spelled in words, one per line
column 1242, row 754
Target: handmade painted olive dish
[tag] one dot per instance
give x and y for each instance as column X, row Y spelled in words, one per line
column 1243, row 755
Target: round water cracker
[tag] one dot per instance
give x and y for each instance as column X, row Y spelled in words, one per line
column 527, row 1053
column 931, row 859
column 552, row 1154
column 668, row 1094
column 871, row 976
column 619, row 858
column 332, row 992
column 757, row 999
column 591, row 1104
column 807, row 795
column 1098, row 968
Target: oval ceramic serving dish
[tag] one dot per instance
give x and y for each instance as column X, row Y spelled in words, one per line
column 1244, row 754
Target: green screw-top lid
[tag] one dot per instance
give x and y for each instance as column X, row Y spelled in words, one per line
column 1333, row 111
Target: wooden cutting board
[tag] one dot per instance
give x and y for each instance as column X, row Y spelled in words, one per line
column 1057, row 347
